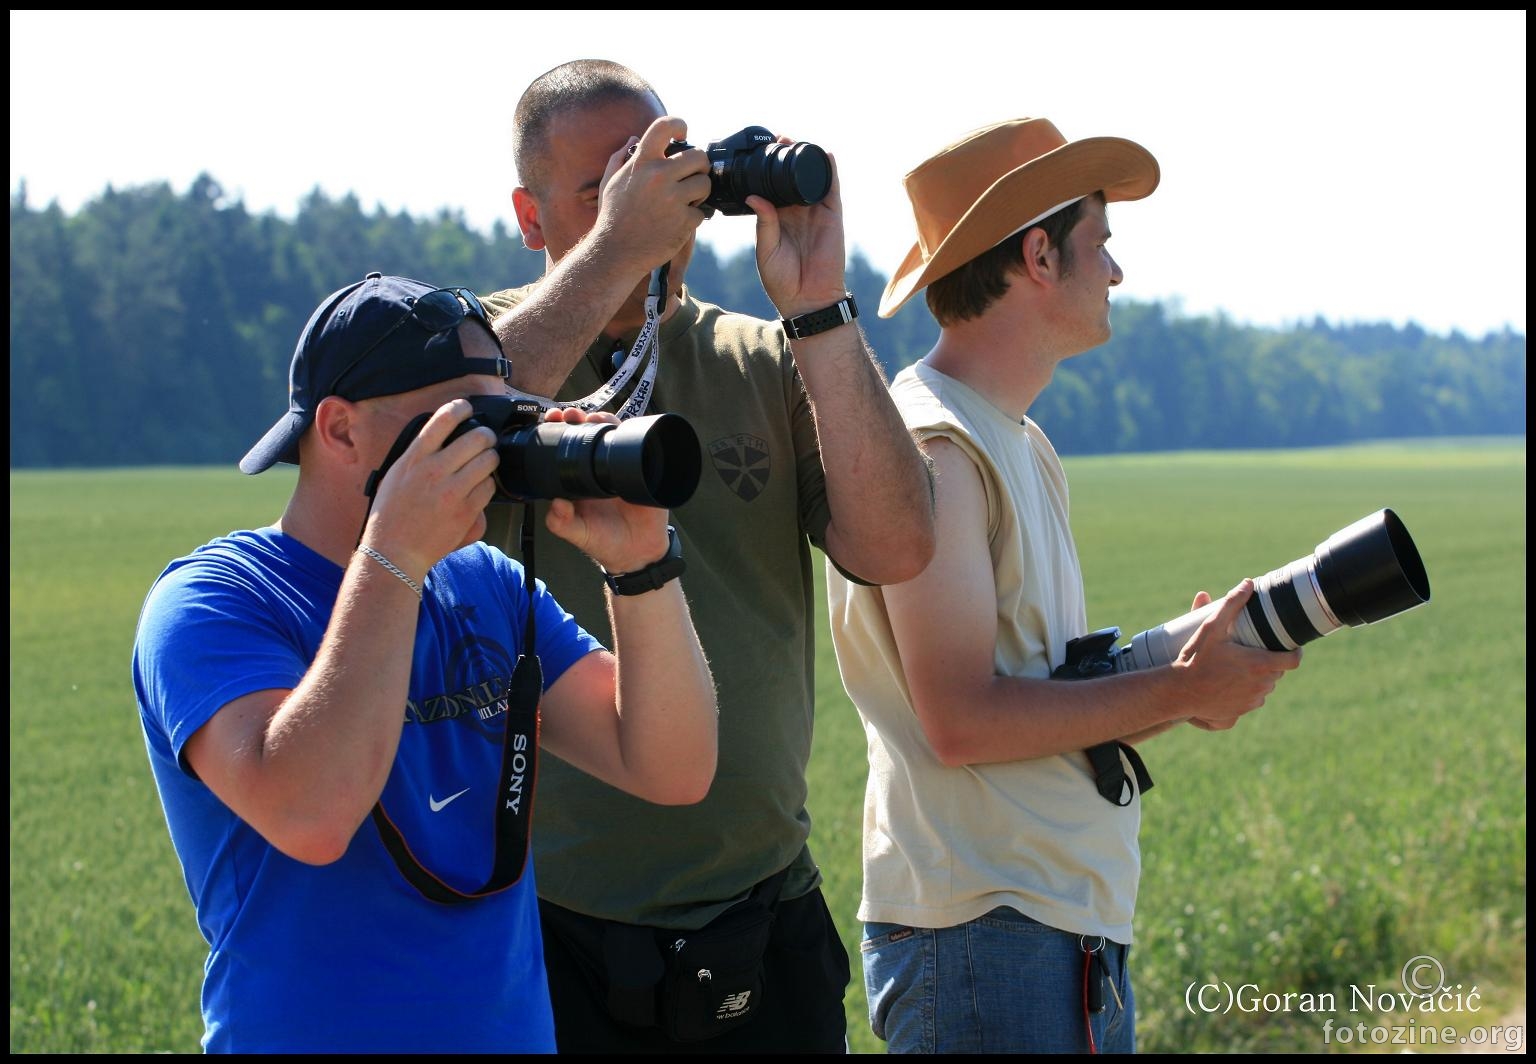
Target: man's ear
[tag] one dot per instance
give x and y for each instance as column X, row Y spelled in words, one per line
column 336, row 429
column 526, row 208
column 1041, row 257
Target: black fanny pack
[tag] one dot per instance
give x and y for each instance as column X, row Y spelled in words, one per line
column 692, row 984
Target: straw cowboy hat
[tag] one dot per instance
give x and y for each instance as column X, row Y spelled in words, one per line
column 1000, row 179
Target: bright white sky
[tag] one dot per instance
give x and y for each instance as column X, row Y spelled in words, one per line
column 1361, row 166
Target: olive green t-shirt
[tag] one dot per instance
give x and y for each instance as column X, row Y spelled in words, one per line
column 746, row 535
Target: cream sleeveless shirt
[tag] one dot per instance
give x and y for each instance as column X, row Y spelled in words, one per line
column 945, row 845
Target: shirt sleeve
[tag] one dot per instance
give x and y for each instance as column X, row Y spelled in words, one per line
column 205, row 638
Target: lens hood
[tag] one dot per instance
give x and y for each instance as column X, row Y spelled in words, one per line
column 1370, row 570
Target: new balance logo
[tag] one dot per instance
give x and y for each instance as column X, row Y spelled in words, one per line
column 734, row 1005
column 437, row 807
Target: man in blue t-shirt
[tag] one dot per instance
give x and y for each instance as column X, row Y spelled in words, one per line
column 366, row 658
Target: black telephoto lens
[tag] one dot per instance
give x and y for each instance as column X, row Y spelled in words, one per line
column 650, row 461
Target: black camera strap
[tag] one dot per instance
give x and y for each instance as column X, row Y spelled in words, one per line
column 519, row 751
column 1109, row 771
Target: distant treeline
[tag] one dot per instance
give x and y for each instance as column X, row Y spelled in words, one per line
column 151, row 328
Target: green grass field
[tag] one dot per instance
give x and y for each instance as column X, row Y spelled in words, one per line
column 1372, row 812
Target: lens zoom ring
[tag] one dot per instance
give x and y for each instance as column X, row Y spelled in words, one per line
column 1288, row 608
column 1255, row 611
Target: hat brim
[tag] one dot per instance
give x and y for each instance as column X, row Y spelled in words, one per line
column 280, row 444
column 1121, row 169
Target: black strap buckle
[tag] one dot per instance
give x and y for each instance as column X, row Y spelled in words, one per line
column 819, row 321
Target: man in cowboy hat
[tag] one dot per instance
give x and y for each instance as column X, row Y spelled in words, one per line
column 999, row 883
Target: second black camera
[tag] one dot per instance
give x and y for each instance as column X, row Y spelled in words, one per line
column 754, row 163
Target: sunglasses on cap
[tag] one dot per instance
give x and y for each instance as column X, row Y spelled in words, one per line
column 438, row 311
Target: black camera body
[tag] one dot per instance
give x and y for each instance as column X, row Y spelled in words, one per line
column 1090, row 655
column 752, row 162
column 650, row 461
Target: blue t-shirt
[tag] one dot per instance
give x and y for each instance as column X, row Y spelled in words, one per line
column 349, row 957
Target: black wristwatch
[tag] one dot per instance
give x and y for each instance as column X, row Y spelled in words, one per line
column 669, row 567
column 819, row 321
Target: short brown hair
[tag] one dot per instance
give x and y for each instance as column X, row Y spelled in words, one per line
column 577, row 84
column 967, row 291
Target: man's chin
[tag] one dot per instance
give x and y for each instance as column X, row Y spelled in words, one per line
column 642, row 290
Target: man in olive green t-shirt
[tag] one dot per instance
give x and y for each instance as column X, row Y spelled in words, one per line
column 802, row 447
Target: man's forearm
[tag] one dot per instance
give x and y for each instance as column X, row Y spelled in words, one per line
column 666, row 696
column 1016, row 718
column 1147, row 733
column 545, row 335
column 879, row 486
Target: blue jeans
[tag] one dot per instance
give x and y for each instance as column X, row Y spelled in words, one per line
column 1002, row 983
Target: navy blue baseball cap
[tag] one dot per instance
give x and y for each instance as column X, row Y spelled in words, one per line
column 378, row 336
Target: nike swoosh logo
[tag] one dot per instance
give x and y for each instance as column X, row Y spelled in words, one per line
column 437, row 807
